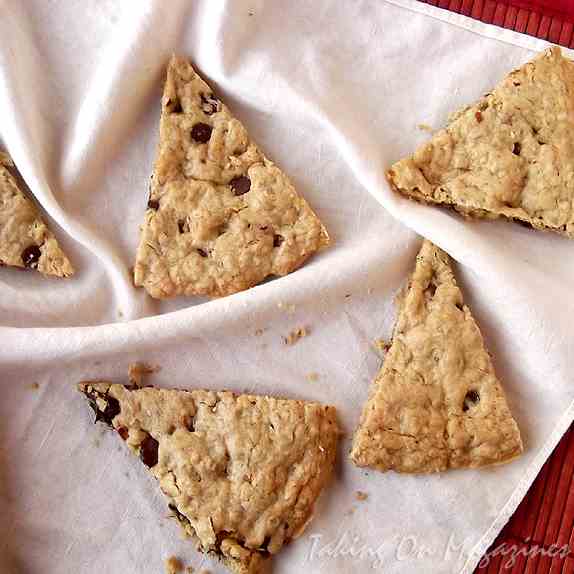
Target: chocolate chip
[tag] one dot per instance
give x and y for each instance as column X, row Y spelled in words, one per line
column 460, row 306
column 209, row 104
column 471, row 399
column 174, row 106
column 431, row 289
column 110, row 411
column 201, row 132
column 516, row 148
column 265, row 546
column 149, row 451
column 31, row 255
column 124, row 433
column 190, row 424
column 201, row 252
column 478, row 117
column 153, row 204
column 181, row 226
column 278, row 240
column 240, row 185
column 523, row 223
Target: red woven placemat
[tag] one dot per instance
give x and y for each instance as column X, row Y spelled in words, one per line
column 551, row 20
column 539, row 538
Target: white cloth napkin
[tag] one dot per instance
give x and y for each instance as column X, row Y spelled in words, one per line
column 333, row 92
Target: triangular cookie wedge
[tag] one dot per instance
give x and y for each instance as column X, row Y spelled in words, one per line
column 436, row 403
column 510, row 155
column 241, row 472
column 25, row 240
column 221, row 217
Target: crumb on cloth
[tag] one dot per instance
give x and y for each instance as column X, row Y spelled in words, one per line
column 173, row 565
column 295, row 335
column 360, row 495
column 313, row 377
column 425, row 128
column 137, row 372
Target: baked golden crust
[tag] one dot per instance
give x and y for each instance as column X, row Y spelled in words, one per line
column 241, row 472
column 25, row 240
column 221, row 216
column 436, row 403
column 509, row 155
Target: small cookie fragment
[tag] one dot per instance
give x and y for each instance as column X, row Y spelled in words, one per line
column 25, row 240
column 361, row 496
column 138, row 371
column 510, row 155
column 173, row 565
column 295, row 336
column 436, row 403
column 221, row 216
column 241, row 472
column 425, row 128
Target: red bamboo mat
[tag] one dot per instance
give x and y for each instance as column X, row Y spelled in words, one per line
column 551, row 20
column 540, row 535
column 539, row 538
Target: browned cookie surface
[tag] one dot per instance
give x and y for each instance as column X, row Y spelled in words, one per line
column 25, row 240
column 241, row 472
column 436, row 403
column 221, row 217
column 511, row 154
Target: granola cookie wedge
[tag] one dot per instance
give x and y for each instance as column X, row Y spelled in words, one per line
column 509, row 155
column 241, row 472
column 436, row 403
column 25, row 240
column 221, row 217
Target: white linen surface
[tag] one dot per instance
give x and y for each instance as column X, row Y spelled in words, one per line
column 333, row 92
